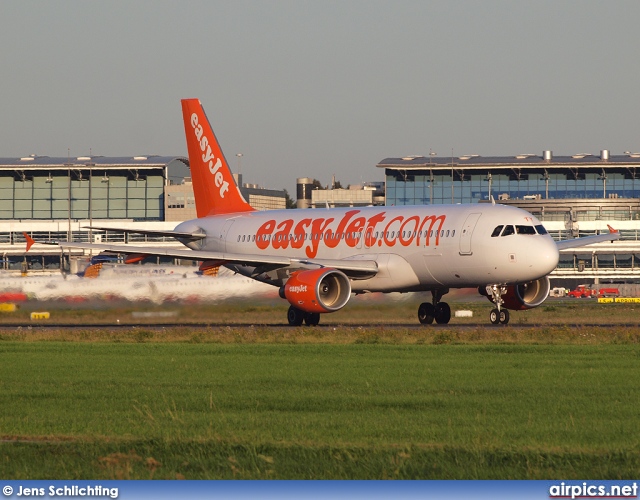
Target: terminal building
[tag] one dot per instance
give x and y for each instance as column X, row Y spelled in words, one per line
column 60, row 198
column 573, row 196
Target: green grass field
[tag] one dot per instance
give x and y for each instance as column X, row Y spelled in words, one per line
column 343, row 402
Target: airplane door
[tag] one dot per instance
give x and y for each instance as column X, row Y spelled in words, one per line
column 367, row 236
column 467, row 232
column 225, row 232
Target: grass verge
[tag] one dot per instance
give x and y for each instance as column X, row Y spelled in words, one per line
column 466, row 410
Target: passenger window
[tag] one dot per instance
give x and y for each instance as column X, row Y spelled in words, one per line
column 453, row 233
column 541, row 229
column 525, row 230
column 447, row 233
column 508, row 230
column 496, row 231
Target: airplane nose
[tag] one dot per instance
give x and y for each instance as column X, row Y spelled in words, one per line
column 544, row 255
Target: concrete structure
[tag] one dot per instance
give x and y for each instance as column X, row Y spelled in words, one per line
column 573, row 196
column 311, row 195
column 370, row 193
column 261, row 198
column 304, row 190
column 180, row 202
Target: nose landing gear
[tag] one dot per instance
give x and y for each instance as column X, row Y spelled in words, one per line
column 498, row 315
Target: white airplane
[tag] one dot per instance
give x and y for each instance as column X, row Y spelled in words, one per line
column 318, row 258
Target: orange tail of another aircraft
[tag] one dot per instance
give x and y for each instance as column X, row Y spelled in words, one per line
column 214, row 187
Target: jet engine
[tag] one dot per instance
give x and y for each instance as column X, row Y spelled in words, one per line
column 524, row 296
column 317, row 291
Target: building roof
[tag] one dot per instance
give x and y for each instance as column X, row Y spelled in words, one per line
column 517, row 161
column 83, row 161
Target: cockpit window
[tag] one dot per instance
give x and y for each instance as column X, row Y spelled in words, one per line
column 541, row 230
column 496, row 231
column 525, row 230
column 508, row 230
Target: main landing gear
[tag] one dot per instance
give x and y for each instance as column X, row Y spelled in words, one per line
column 296, row 316
column 498, row 315
column 440, row 311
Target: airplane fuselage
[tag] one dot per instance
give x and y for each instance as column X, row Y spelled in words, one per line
column 415, row 248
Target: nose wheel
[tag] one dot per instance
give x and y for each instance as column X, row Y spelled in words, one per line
column 498, row 316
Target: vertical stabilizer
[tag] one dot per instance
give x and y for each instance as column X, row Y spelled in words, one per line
column 213, row 185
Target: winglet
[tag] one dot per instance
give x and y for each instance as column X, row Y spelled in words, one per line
column 30, row 241
column 214, row 188
column 611, row 230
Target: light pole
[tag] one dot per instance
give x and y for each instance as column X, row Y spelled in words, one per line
column 239, row 155
column 431, row 155
column 90, row 166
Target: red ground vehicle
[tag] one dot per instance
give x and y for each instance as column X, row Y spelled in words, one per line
column 582, row 292
column 608, row 292
column 586, row 292
column 13, row 297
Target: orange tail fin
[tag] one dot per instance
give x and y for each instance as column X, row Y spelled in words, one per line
column 213, row 185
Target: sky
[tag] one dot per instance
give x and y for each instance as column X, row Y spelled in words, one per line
column 317, row 88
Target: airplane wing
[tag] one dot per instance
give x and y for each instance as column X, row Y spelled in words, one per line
column 151, row 232
column 351, row 267
column 589, row 240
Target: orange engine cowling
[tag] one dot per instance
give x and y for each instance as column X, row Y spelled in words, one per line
column 317, row 291
column 526, row 295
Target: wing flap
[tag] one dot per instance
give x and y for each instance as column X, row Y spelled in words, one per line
column 359, row 269
column 352, row 267
column 247, row 259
